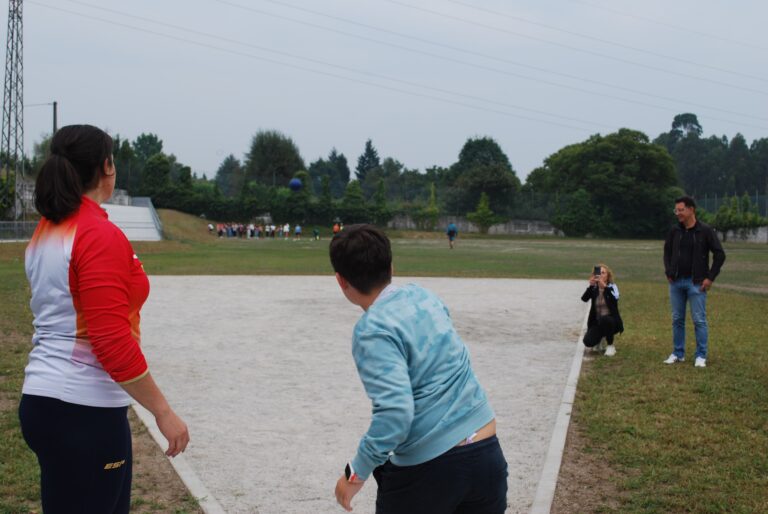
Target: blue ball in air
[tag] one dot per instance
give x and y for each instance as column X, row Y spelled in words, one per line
column 295, row 184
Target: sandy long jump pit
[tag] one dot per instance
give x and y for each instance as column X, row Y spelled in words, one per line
column 260, row 367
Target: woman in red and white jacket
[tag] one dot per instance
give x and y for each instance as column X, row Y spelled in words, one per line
column 87, row 288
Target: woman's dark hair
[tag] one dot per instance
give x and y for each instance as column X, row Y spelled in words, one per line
column 73, row 167
column 362, row 255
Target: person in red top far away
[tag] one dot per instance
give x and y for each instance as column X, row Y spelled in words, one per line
column 86, row 364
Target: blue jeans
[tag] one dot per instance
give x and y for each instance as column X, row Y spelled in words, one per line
column 681, row 291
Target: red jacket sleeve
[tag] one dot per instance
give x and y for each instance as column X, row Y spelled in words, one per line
column 102, row 260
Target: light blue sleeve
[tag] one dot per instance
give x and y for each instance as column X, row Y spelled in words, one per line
column 383, row 369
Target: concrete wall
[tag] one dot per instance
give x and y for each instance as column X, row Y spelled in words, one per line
column 513, row 227
column 119, row 197
column 758, row 235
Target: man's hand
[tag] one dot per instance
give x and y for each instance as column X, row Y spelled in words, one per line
column 346, row 490
column 706, row 284
column 669, row 279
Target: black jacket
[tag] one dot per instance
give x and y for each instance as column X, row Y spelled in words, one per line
column 704, row 241
column 611, row 301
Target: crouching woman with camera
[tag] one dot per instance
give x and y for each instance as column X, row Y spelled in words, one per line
column 604, row 319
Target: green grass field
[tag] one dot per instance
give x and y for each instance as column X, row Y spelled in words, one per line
column 681, row 439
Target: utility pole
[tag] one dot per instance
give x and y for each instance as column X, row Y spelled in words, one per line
column 12, row 132
column 55, row 125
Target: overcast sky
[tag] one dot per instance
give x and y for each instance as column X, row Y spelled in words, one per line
column 418, row 77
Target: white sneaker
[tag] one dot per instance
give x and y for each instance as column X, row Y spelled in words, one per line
column 610, row 351
column 673, row 359
column 701, row 362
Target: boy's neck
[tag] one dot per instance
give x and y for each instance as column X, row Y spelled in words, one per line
column 366, row 300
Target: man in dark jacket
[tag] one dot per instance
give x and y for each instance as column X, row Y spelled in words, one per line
column 686, row 265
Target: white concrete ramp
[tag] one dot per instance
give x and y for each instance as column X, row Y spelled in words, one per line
column 138, row 223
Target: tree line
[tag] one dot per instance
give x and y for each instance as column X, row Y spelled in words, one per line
column 616, row 185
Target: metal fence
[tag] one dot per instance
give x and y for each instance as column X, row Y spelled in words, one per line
column 23, row 230
column 711, row 203
column 17, row 230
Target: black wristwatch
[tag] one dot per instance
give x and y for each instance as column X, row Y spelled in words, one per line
column 350, row 474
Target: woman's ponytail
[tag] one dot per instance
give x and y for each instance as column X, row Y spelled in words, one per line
column 58, row 188
column 78, row 153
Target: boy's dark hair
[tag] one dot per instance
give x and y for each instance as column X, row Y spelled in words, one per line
column 363, row 256
column 73, row 168
column 687, row 200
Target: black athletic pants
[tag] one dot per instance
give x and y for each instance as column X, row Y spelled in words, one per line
column 469, row 479
column 84, row 454
column 604, row 327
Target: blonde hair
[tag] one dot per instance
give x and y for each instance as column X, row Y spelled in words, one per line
column 608, row 273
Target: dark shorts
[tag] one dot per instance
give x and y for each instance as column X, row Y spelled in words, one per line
column 85, row 455
column 469, row 479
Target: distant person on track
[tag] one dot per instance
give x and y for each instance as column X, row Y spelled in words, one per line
column 86, row 363
column 451, row 232
column 431, row 444
column 604, row 320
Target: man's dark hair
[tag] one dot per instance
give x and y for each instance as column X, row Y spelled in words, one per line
column 687, row 200
column 363, row 256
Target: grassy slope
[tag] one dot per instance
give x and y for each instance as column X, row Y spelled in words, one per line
column 686, row 440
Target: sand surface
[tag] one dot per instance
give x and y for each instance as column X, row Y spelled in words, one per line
column 260, row 367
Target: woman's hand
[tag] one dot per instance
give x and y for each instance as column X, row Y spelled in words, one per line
column 592, row 280
column 602, row 281
column 175, row 431
column 146, row 392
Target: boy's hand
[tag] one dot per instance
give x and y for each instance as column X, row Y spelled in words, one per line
column 346, row 490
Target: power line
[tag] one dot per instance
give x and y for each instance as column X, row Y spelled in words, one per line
column 489, row 68
column 337, row 76
column 604, row 41
column 345, row 68
column 672, row 26
column 569, row 47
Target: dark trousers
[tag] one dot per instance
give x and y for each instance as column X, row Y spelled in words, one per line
column 469, row 479
column 605, row 326
column 85, row 455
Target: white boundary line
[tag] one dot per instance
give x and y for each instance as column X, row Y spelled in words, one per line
column 207, row 501
column 545, row 492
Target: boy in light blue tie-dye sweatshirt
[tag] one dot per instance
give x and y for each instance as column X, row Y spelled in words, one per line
column 431, row 444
